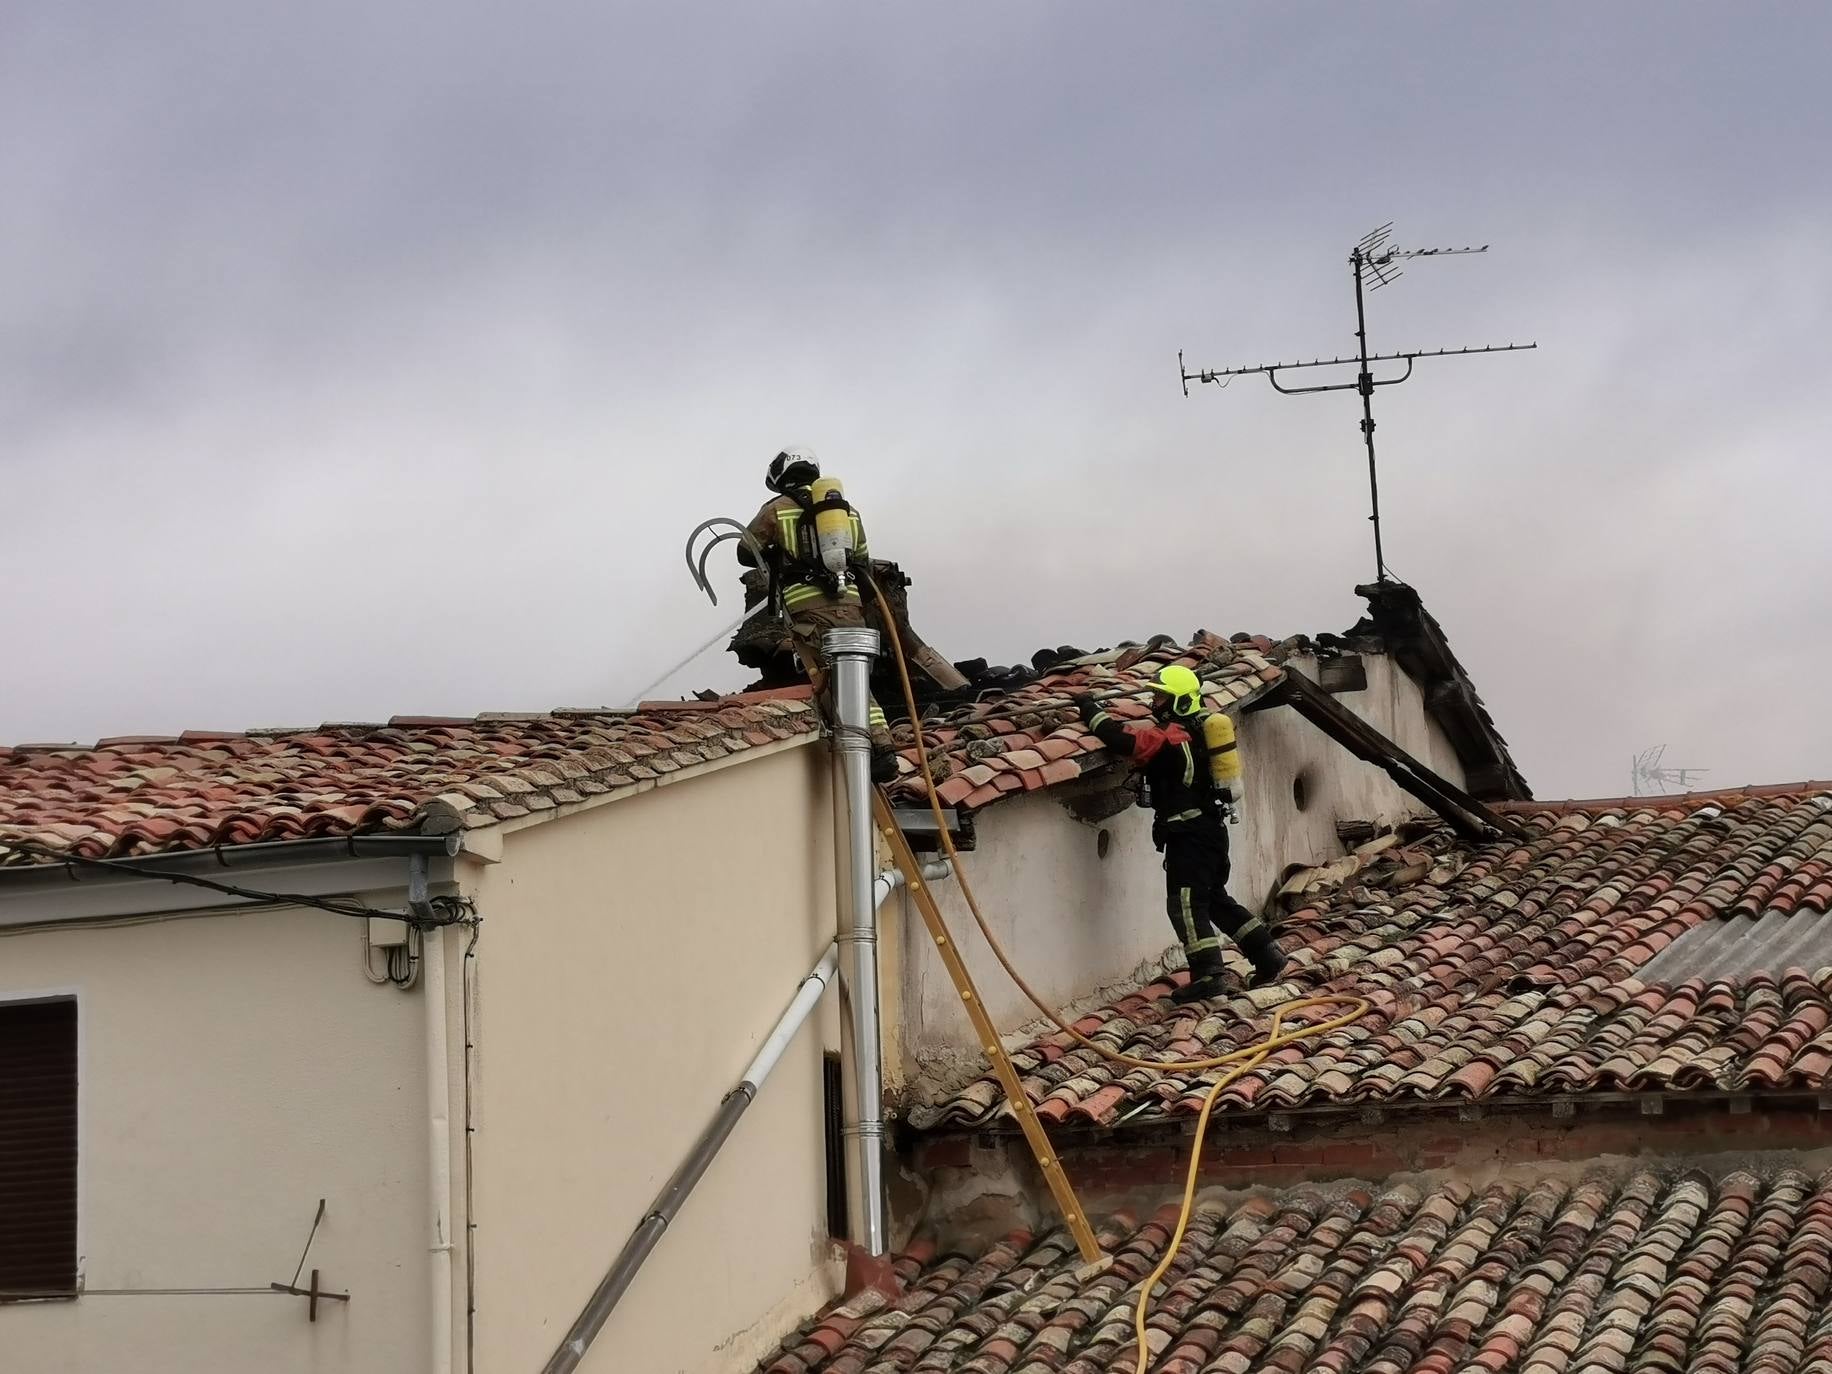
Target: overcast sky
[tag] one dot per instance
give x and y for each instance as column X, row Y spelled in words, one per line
column 372, row 358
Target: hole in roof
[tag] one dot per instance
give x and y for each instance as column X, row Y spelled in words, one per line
column 1300, row 791
column 1102, row 843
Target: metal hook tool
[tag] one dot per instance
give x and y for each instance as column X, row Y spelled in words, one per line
column 728, row 529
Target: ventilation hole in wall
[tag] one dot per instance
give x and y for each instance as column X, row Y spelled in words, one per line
column 833, row 1111
column 1300, row 791
column 1102, row 843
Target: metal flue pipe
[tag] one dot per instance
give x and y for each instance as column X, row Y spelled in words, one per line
column 849, row 654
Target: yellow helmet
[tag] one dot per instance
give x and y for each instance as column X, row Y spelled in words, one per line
column 1182, row 686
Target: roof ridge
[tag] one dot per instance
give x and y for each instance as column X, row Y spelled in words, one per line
column 794, row 692
column 1750, row 789
column 135, row 795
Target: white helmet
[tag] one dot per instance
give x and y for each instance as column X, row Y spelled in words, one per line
column 795, row 466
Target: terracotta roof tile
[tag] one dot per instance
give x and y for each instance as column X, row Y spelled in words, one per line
column 141, row 795
column 1537, row 1274
column 1032, row 730
column 1511, row 969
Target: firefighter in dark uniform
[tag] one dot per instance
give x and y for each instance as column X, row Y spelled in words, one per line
column 813, row 598
column 1191, row 763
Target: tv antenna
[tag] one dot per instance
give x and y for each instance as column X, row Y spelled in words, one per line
column 1374, row 262
column 1650, row 777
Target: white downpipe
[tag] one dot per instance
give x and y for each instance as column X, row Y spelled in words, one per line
column 438, row 1155
column 805, row 997
column 674, row 1193
column 891, row 879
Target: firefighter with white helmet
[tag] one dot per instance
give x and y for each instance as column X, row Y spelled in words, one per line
column 814, row 544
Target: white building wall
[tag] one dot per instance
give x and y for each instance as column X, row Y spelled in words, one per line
column 633, row 958
column 1280, row 749
column 1075, row 922
column 234, row 1069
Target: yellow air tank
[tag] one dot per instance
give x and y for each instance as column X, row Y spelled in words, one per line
column 832, row 524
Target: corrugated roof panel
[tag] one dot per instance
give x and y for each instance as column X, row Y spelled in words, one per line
column 1736, row 946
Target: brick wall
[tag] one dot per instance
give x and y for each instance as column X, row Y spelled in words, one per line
column 981, row 1183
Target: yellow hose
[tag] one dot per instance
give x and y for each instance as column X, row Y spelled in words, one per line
column 1237, row 1062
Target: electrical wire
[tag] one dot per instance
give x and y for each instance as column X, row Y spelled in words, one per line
column 252, row 896
column 379, row 979
column 1235, row 1062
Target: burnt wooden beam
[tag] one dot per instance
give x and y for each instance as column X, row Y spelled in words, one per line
column 1467, row 816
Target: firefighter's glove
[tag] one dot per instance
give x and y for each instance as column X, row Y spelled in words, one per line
column 1085, row 705
column 1225, row 804
column 1158, row 835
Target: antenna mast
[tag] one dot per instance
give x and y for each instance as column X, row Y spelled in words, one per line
column 1373, row 261
column 1650, row 777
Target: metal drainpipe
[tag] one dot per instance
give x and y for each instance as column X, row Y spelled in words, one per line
column 438, row 1122
column 849, row 655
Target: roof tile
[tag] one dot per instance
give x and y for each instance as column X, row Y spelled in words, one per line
column 1521, row 1274
column 1511, row 969
column 1027, row 730
column 138, row 795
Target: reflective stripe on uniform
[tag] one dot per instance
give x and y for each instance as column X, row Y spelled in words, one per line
column 801, row 593
column 1189, row 766
column 1100, row 719
column 1186, row 918
column 1255, row 924
column 1213, row 942
column 876, row 717
column 1193, row 813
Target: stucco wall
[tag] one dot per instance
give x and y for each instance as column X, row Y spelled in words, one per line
column 233, row 1070
column 1074, row 922
column 1279, row 746
column 633, row 958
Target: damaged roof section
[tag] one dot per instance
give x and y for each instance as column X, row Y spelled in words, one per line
column 1511, row 969
column 137, row 796
column 1702, row 1272
column 1398, row 620
column 1030, row 738
column 1017, row 731
column 1467, row 816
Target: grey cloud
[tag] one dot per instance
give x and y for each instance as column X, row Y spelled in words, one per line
column 376, row 358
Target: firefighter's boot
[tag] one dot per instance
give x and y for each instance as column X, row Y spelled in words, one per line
column 1207, row 979
column 1268, row 960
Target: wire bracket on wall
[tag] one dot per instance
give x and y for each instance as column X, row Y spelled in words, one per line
column 312, row 1293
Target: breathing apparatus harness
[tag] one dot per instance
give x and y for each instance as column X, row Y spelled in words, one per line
column 1209, row 803
column 825, row 545
column 824, row 539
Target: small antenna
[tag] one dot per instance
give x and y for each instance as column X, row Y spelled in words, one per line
column 1650, row 777
column 1374, row 261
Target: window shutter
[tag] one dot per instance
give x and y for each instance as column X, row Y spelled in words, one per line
column 38, row 1148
